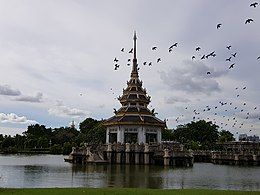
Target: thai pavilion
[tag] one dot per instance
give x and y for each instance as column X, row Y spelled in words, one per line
column 134, row 122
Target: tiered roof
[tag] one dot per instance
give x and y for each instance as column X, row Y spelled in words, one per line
column 134, row 102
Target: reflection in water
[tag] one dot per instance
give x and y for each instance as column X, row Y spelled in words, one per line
column 20, row 171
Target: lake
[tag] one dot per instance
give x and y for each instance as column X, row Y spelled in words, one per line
column 45, row 171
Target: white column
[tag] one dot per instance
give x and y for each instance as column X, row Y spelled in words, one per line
column 107, row 136
column 141, row 135
column 120, row 135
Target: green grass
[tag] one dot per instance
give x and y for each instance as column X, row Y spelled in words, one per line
column 123, row 191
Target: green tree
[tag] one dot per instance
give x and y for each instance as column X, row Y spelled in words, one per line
column 225, row 136
column 8, row 142
column 67, row 148
column 93, row 130
column 204, row 134
column 167, row 135
column 56, row 149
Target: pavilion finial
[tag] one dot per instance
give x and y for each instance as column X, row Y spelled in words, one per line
column 135, row 44
column 134, row 69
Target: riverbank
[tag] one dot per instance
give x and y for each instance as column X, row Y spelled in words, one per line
column 124, row 191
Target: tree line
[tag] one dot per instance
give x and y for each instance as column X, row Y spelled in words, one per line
column 39, row 139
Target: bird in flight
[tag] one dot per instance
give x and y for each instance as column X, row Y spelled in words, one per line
column 249, row 21
column 128, row 59
column 231, row 66
column 123, row 49
column 144, row 63
column 254, row 4
column 154, row 48
column 198, row 48
column 228, row 59
column 218, row 25
column 158, row 60
column 203, row 57
column 150, row 64
column 174, row 45
column 258, row 58
column 208, row 72
column 193, row 57
column 116, row 66
column 115, row 60
column 131, row 51
column 244, row 88
column 234, row 54
column 228, row 47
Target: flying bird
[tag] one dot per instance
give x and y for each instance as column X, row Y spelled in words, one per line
column 158, row 60
column 244, row 88
column 203, row 57
column 218, row 25
column 170, row 50
column 228, row 47
column 212, row 53
column 254, row 4
column 231, row 66
column 116, row 66
column 208, row 72
column 144, row 63
column 198, row 48
column 249, row 21
column 228, row 59
column 128, row 59
column 123, row 49
column 234, row 54
column 193, row 57
column 258, row 58
column 174, row 45
column 154, row 48
column 150, row 64
column 131, row 51
column 115, row 60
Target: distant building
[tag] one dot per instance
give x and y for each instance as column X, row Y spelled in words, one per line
column 242, row 137
column 245, row 137
column 134, row 122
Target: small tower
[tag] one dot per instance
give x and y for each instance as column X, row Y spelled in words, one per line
column 72, row 125
column 134, row 122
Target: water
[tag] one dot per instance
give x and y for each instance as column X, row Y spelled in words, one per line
column 44, row 171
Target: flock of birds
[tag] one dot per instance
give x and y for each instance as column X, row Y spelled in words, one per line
column 232, row 114
column 229, row 112
column 203, row 57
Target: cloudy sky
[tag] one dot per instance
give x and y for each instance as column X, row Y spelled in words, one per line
column 56, row 60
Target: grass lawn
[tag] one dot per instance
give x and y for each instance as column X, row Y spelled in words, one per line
column 107, row 191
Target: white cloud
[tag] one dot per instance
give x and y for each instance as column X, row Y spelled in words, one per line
column 7, row 90
column 192, row 77
column 173, row 100
column 23, row 98
column 13, row 118
column 64, row 111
